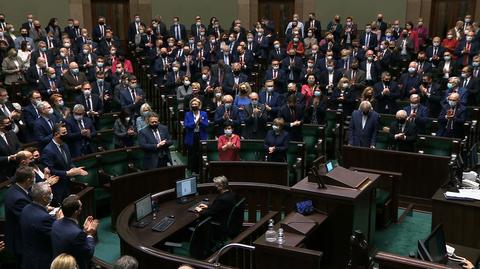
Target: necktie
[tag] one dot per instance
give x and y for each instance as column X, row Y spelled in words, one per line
column 50, row 123
column 178, row 32
column 80, row 125
column 5, row 110
column 435, row 51
column 64, row 155
column 274, row 74
column 76, row 77
column 292, row 112
column 157, row 135
column 40, row 72
column 367, row 40
column 89, row 106
column 465, row 83
column 4, row 136
column 100, row 87
column 133, row 94
column 269, row 97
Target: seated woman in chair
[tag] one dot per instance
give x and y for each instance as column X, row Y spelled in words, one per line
column 221, row 207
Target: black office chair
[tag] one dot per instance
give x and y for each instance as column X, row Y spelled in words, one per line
column 200, row 244
column 233, row 225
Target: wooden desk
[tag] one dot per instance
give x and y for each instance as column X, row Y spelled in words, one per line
column 259, row 172
column 460, row 219
column 348, row 209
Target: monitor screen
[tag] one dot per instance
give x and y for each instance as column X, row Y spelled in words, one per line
column 435, row 246
column 329, row 167
column 186, row 187
column 143, row 207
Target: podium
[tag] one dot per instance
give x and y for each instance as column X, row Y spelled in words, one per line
column 343, row 177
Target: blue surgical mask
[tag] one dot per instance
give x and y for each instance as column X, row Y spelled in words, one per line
column 450, row 85
column 228, row 105
column 317, row 93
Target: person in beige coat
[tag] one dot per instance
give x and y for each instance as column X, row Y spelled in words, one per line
column 13, row 68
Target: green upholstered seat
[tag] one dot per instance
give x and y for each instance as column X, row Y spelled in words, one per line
column 107, row 120
column 115, row 163
column 252, row 150
column 105, row 139
column 311, row 135
column 436, row 146
column 382, row 140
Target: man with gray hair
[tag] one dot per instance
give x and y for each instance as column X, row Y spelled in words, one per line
column 362, row 131
column 126, row 262
column 44, row 124
column 80, row 131
column 36, row 225
column 402, row 133
column 454, row 86
column 50, row 83
column 221, row 207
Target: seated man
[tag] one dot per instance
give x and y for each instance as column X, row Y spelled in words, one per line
column 228, row 144
column 403, row 133
column 220, row 208
column 155, row 141
column 363, row 128
column 452, row 117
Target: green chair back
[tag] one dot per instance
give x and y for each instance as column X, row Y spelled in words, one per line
column 438, row 146
column 107, row 120
column 90, row 165
column 105, row 139
column 115, row 163
column 252, row 150
column 235, row 219
column 200, row 241
column 382, row 140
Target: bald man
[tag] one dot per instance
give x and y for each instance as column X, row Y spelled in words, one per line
column 403, row 133
column 73, row 80
column 227, row 112
column 417, row 113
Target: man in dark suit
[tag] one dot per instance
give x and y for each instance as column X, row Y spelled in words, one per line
column 226, row 112
column 278, row 76
column 132, row 98
column 50, row 83
column 314, row 25
column 292, row 114
column 363, row 127
column 56, row 156
column 435, row 52
column 197, row 26
column 16, row 198
column 73, row 80
column 177, row 30
column 371, row 68
column 386, row 93
column 106, row 43
column 43, row 126
column 159, row 28
column 91, row 102
column 410, row 80
column 35, row 72
column 99, row 30
column 454, row 85
column 470, row 84
column 452, row 118
column 356, row 76
column 466, row 49
column 272, row 100
column 256, row 119
column 329, row 78
column 402, row 133
column 292, row 66
column 431, row 95
column 417, row 113
column 67, row 237
column 36, row 226
column 81, row 132
column 155, row 142
column 9, row 147
column 29, row 23
column 42, row 52
column 233, row 79
column 134, row 28
column 277, row 53
column 423, row 66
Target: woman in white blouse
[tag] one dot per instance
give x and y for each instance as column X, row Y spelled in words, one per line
column 25, row 53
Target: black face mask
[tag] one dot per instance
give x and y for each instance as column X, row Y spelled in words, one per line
column 401, row 121
column 108, row 39
column 425, row 84
column 8, row 127
column 63, row 136
column 154, row 126
column 386, row 82
column 194, row 108
column 354, row 67
column 24, row 35
column 236, row 73
column 365, row 112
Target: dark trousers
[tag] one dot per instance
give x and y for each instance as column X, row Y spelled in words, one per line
column 193, row 154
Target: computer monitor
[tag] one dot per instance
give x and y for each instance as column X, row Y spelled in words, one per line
column 434, row 248
column 329, row 167
column 185, row 188
column 143, row 207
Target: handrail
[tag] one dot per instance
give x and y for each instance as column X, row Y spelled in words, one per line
column 227, row 247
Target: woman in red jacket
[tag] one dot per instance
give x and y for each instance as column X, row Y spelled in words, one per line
column 229, row 144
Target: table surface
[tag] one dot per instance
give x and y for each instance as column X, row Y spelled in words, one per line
column 183, row 218
column 439, row 197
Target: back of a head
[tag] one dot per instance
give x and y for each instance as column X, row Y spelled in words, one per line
column 126, row 262
column 64, row 261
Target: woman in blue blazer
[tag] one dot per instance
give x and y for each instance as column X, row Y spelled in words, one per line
column 276, row 142
column 196, row 123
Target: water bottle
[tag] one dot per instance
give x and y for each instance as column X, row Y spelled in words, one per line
column 281, row 237
column 270, row 235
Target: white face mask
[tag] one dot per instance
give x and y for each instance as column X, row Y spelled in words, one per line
column 345, row 85
column 186, row 83
column 77, row 117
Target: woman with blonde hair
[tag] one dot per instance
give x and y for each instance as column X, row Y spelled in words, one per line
column 368, row 95
column 343, row 96
column 195, row 123
column 141, row 121
column 64, row 261
column 242, row 100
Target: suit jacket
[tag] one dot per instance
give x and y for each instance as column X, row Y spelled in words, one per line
column 275, row 55
column 433, row 100
column 359, row 79
column 317, row 31
column 78, row 144
column 68, row 237
column 37, row 35
column 97, row 104
column 7, row 168
column 183, row 32
column 366, row 136
column 255, row 125
column 276, row 102
column 9, row 67
column 52, row 158
column 148, row 143
column 229, row 83
column 106, row 89
column 280, row 82
column 466, row 58
column 190, row 125
column 372, row 42
column 36, row 54
column 472, row 86
column 219, row 120
column 18, row 42
column 15, row 200
column 349, row 102
column 293, row 70
column 409, row 83
column 30, row 114
column 128, row 103
column 36, row 225
column 69, row 82
column 97, row 32
column 295, row 132
column 46, row 88
column 421, row 117
column 132, row 31
column 386, row 103
column 453, row 127
column 319, row 110
column 461, row 91
column 410, row 132
column 374, row 70
column 43, row 131
column 323, row 78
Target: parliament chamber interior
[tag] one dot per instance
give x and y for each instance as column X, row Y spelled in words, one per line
column 242, row 134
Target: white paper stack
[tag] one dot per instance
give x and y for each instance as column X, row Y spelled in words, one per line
column 463, row 194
